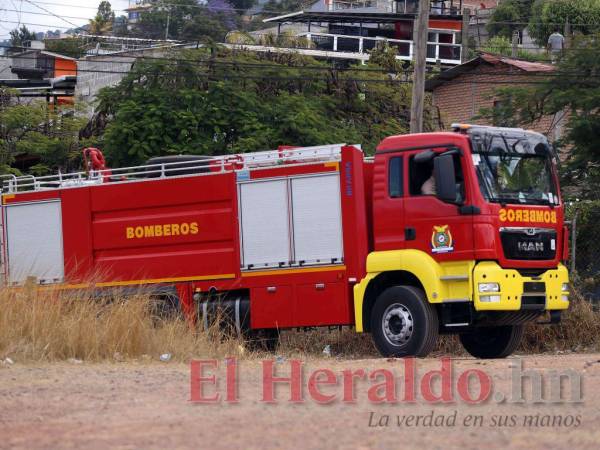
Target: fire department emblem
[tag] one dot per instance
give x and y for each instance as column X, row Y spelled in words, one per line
column 441, row 239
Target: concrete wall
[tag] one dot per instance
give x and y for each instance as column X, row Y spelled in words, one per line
column 5, row 73
column 96, row 72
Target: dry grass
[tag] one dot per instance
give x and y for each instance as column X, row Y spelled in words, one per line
column 579, row 331
column 49, row 326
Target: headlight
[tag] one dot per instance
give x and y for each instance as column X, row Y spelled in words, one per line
column 489, row 287
column 565, row 287
column 489, row 298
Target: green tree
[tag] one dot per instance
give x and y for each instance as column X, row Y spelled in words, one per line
column 186, row 20
column 281, row 6
column 508, row 17
column 48, row 135
column 242, row 5
column 572, row 89
column 20, row 36
column 549, row 16
column 120, row 26
column 103, row 21
column 221, row 102
column 72, row 46
column 500, row 45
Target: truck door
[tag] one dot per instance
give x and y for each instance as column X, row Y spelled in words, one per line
column 388, row 202
column 436, row 227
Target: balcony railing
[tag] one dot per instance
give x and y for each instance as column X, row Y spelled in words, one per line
column 436, row 51
column 437, row 7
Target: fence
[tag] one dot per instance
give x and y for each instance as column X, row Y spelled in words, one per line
column 445, row 53
column 584, row 258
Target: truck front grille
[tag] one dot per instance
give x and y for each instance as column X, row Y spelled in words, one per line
column 528, row 243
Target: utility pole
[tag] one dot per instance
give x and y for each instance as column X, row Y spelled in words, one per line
column 515, row 44
column 420, row 60
column 568, row 35
column 167, row 27
column 464, row 35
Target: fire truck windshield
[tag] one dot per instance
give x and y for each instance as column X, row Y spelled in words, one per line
column 515, row 167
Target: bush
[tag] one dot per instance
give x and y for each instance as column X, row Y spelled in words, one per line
column 548, row 16
column 503, row 46
column 587, row 252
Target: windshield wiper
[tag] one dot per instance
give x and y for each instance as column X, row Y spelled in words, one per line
column 527, row 201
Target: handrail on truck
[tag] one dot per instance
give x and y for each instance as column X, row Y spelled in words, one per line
column 223, row 163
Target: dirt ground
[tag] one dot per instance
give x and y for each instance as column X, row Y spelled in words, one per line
column 147, row 405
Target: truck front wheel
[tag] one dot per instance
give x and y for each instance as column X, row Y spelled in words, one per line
column 404, row 323
column 492, row 342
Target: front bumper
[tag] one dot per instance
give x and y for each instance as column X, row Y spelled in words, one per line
column 519, row 292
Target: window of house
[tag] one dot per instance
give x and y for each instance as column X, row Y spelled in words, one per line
column 395, row 177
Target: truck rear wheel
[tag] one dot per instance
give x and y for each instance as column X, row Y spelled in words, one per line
column 492, row 342
column 264, row 339
column 404, row 323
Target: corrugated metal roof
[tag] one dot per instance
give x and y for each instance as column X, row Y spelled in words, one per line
column 43, row 52
column 486, row 58
column 352, row 17
column 527, row 66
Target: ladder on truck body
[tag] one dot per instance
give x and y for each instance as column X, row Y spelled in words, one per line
column 204, row 166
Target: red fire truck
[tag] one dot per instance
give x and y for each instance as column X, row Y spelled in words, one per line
column 449, row 232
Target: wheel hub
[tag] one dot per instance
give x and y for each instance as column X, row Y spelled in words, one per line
column 397, row 324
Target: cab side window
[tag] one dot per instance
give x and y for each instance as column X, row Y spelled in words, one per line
column 395, row 177
column 422, row 180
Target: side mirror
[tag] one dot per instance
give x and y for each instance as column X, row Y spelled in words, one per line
column 445, row 186
column 424, row 157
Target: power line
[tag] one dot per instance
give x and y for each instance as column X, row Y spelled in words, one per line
column 591, row 24
column 71, row 5
column 46, row 14
column 197, row 62
column 19, row 10
column 270, row 12
column 175, row 5
column 40, row 25
column 533, row 47
column 224, row 76
column 275, row 66
column 51, row 13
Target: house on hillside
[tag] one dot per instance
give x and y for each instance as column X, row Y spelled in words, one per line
column 39, row 64
column 39, row 73
column 461, row 92
column 135, row 10
column 351, row 28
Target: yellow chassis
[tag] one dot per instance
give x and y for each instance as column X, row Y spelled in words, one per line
column 459, row 281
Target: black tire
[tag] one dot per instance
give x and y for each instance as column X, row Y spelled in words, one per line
column 394, row 311
column 492, row 342
column 264, row 339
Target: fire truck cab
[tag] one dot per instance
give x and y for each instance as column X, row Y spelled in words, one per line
column 480, row 256
column 449, row 232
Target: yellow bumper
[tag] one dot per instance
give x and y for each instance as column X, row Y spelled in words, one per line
column 512, row 293
column 448, row 282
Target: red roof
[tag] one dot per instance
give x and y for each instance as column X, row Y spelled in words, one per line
column 527, row 66
column 486, row 59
